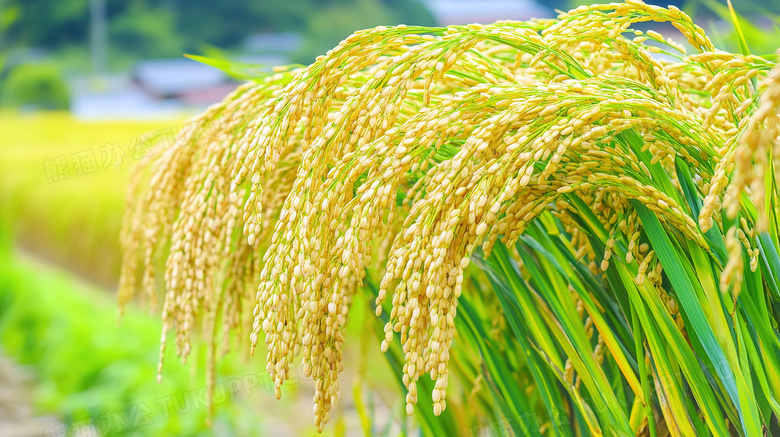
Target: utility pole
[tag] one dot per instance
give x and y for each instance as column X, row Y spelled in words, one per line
column 97, row 36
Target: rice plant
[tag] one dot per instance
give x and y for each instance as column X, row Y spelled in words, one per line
column 571, row 221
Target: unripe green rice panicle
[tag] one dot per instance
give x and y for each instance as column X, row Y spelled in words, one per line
column 403, row 150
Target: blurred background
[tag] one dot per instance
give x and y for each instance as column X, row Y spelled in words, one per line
column 86, row 88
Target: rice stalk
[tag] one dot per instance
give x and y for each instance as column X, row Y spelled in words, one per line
column 629, row 187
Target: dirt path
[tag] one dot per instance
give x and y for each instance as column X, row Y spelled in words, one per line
column 17, row 418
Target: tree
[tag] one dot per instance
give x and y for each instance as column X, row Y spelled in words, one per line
column 161, row 28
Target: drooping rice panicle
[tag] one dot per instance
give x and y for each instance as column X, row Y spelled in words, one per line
column 404, row 151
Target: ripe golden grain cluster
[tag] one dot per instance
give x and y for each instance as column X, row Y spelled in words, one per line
column 408, row 147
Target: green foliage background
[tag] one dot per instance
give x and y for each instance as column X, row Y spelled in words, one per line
column 168, row 28
column 40, row 86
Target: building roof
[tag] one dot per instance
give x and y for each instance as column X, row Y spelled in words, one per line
column 170, row 77
column 449, row 12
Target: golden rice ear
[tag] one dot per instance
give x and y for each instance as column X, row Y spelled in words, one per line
column 189, row 209
column 757, row 150
column 419, row 145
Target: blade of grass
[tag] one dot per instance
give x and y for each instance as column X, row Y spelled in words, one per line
column 728, row 370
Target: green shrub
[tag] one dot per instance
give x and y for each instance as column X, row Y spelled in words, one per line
column 40, row 86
